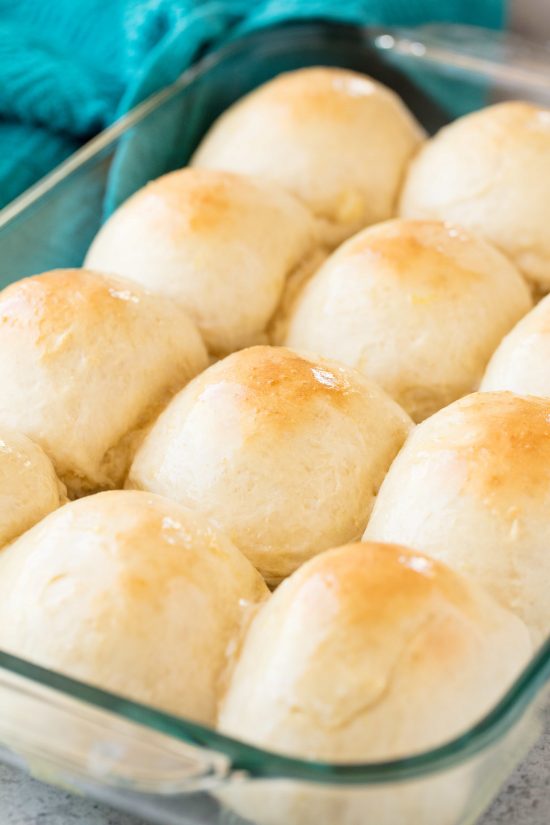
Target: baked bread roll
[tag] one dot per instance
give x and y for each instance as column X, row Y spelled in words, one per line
column 283, row 452
column 338, row 665
column 366, row 653
column 222, row 245
column 131, row 593
column 521, row 362
column 337, row 139
column 29, row 488
column 471, row 487
column 86, row 361
column 418, row 306
column 490, row 172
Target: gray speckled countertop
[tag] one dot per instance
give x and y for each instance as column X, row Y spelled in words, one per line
column 525, row 800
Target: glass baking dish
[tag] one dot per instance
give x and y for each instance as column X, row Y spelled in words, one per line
column 170, row 770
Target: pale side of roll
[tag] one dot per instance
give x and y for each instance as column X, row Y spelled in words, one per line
column 418, row 306
column 471, row 487
column 490, row 172
column 88, row 360
column 221, row 245
column 284, row 452
column 368, row 652
column 29, row 487
column 337, row 139
column 521, row 363
column 132, row 593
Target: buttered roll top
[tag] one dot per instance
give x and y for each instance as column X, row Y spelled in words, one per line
column 225, row 247
column 337, row 139
column 471, row 487
column 87, row 360
column 283, row 451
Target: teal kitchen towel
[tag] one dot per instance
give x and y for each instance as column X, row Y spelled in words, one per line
column 68, row 69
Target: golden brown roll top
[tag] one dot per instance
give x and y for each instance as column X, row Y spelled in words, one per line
column 29, row 488
column 337, row 139
column 490, row 172
column 284, row 452
column 86, row 360
column 222, row 245
column 131, row 593
column 471, row 487
column 418, row 306
column 371, row 652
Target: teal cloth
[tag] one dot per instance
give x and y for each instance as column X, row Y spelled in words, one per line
column 68, row 69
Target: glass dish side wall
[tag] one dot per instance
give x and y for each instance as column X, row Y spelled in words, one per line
column 168, row 770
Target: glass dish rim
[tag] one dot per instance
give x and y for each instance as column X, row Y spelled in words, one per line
column 259, row 763
column 254, row 761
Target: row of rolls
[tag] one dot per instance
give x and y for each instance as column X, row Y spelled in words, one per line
column 311, row 360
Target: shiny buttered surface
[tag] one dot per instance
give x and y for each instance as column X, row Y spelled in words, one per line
column 284, row 452
column 350, row 660
column 471, row 487
column 368, row 652
column 418, row 306
column 223, row 246
column 88, row 360
column 338, row 140
column 130, row 592
column 490, row 172
column 230, row 399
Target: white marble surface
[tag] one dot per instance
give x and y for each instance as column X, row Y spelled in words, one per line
column 525, row 800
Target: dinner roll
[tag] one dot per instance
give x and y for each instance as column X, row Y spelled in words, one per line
column 285, row 453
column 371, row 652
column 85, row 362
column 522, row 361
column 368, row 652
column 337, row 139
column 132, row 593
column 29, row 488
column 471, row 487
column 490, row 172
column 222, row 245
column 418, row 306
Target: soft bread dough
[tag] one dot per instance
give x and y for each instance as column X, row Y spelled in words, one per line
column 490, row 172
column 29, row 488
column 86, row 361
column 131, row 593
column 418, row 306
column 337, row 139
column 284, row 452
column 521, row 363
column 222, row 245
column 471, row 487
